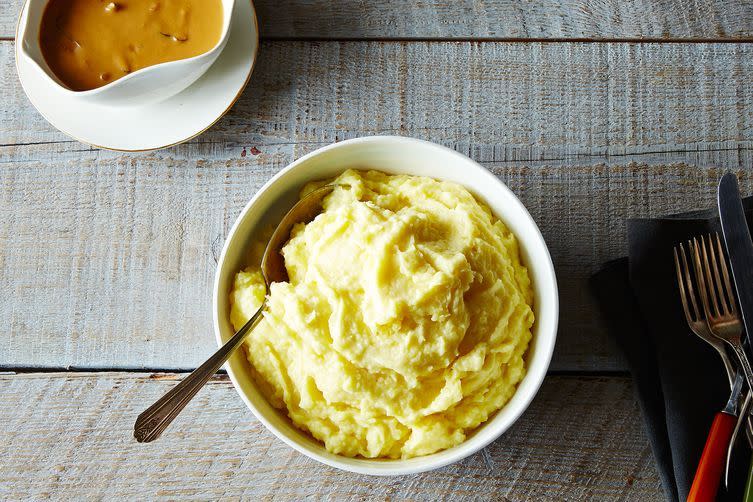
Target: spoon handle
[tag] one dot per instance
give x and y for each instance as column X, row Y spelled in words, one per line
column 155, row 419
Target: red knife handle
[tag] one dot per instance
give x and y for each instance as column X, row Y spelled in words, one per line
column 709, row 472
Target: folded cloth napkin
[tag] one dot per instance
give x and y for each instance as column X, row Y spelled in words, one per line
column 679, row 379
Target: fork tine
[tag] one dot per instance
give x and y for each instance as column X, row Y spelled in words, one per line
column 725, row 273
column 714, row 299
column 717, row 279
column 681, row 284
column 693, row 245
column 689, row 283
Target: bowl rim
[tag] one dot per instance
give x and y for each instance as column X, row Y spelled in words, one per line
column 467, row 447
column 23, row 30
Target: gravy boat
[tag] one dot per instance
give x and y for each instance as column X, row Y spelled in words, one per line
column 144, row 86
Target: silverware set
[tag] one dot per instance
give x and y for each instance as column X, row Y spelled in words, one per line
column 710, row 304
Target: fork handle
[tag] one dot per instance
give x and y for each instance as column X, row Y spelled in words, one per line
column 709, row 471
column 742, row 358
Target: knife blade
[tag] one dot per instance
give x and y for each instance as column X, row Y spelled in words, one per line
column 739, row 245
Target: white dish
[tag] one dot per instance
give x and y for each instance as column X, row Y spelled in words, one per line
column 392, row 155
column 148, row 85
column 157, row 125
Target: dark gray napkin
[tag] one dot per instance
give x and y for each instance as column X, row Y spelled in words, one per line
column 679, row 379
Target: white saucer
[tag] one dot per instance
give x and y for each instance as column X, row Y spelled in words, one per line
column 158, row 125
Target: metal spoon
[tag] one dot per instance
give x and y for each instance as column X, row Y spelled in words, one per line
column 155, row 419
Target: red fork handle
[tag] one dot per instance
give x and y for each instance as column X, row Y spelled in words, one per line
column 709, row 472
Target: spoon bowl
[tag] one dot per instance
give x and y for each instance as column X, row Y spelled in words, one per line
column 305, row 210
column 155, row 419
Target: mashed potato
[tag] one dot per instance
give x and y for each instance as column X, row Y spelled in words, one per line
column 405, row 321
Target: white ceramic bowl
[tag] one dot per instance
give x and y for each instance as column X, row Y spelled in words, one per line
column 399, row 156
column 145, row 86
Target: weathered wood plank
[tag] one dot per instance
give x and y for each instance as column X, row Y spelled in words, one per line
column 110, row 256
column 495, row 19
column 69, row 436
column 503, row 101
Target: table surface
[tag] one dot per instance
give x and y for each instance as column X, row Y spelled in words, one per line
column 592, row 111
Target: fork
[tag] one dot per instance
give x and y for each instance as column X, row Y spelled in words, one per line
column 721, row 312
column 696, row 320
column 698, row 325
column 708, row 473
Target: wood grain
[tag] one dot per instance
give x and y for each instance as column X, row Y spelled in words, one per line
column 68, row 436
column 490, row 19
column 111, row 256
column 494, row 101
column 507, row 19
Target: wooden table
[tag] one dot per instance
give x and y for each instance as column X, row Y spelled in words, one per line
column 592, row 111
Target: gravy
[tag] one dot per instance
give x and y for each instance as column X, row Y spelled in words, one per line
column 90, row 43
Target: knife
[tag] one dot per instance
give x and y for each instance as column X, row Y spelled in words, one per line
column 739, row 246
